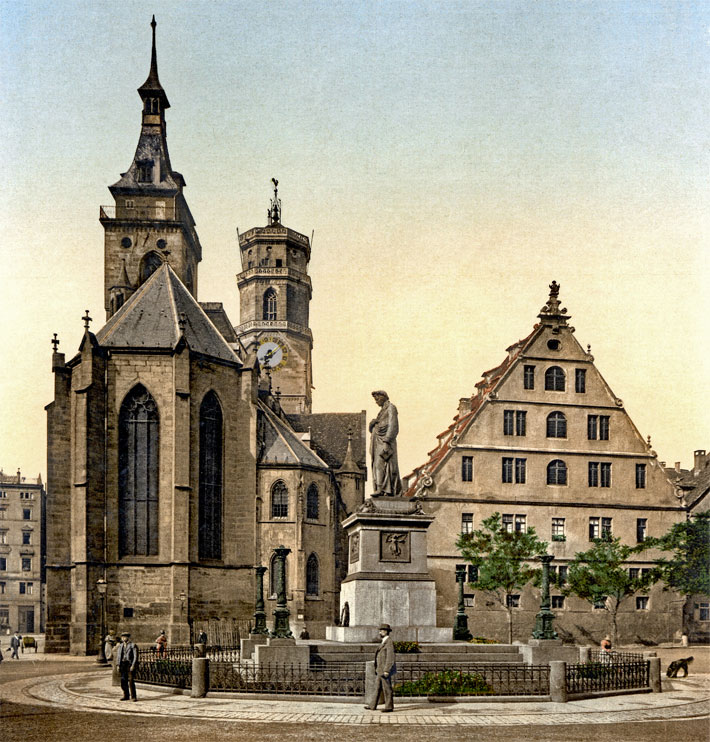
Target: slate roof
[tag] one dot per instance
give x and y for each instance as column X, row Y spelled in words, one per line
column 695, row 486
column 329, row 435
column 151, row 319
column 215, row 311
column 281, row 445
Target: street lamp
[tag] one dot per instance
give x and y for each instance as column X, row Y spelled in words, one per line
column 101, row 586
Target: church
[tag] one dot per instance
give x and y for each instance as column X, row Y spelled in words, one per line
column 182, row 448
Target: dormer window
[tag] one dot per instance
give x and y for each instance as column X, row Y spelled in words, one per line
column 152, row 105
column 145, row 172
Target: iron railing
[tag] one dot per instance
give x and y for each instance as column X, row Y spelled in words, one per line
column 341, row 679
column 170, row 672
column 599, row 655
column 594, row 677
column 175, row 653
column 494, row 679
column 166, row 212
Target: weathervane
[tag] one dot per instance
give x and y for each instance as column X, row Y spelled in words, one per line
column 275, row 209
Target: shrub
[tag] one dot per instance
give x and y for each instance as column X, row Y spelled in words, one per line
column 445, row 683
column 406, row 647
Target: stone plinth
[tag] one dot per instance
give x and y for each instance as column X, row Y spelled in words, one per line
column 544, row 651
column 388, row 580
column 282, row 652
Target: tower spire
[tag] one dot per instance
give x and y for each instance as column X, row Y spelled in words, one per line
column 275, row 207
column 151, row 88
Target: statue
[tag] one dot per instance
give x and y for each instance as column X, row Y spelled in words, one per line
column 383, row 448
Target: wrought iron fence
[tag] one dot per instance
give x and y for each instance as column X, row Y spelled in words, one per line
column 590, row 677
column 341, row 679
column 599, row 655
column 176, row 653
column 176, row 673
column 435, row 679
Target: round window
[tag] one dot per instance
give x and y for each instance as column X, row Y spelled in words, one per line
column 553, row 344
column 162, row 244
column 126, row 242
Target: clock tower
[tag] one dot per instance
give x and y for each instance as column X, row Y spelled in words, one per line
column 275, row 293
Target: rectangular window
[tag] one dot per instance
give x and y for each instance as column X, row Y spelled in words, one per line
column 593, row 528
column 3, row 537
column 468, row 601
column 22, row 588
column 26, row 538
column 130, row 203
column 4, row 616
column 521, row 523
column 3, row 564
column 606, row 527
column 558, row 529
column 466, row 522
column 592, row 427
column 2, row 588
column 645, row 571
column 528, row 377
column 27, row 514
column 634, row 573
column 26, row 564
column 603, row 427
column 520, row 466
column 558, row 601
column 593, row 474
column 640, row 476
column 641, row 529
column 512, row 601
column 508, row 523
column 562, row 575
column 467, row 468
column 508, row 417
column 2, row 513
column 641, row 603
column 599, row 605
column 471, row 571
column 580, row 380
column 704, row 611
column 507, row 473
column 605, row 475
column 520, row 422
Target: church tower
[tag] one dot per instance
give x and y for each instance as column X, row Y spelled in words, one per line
column 275, row 293
column 150, row 222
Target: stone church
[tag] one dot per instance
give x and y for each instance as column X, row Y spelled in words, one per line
column 181, row 448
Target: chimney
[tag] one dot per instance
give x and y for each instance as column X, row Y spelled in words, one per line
column 677, row 467
column 700, row 461
column 464, row 406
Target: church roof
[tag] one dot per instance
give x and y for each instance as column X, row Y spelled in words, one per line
column 159, row 314
column 281, row 445
column 215, row 311
column 329, row 435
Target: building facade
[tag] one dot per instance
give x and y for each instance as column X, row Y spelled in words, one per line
column 181, row 450
column 546, row 443
column 22, row 543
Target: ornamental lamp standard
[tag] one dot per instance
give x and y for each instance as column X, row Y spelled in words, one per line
column 461, row 625
column 101, row 587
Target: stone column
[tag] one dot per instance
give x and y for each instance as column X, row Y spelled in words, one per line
column 282, row 630
column 200, row 677
column 259, row 612
column 654, row 676
column 558, row 681
column 461, row 624
column 543, row 620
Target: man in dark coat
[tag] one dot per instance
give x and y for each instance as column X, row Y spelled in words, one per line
column 127, row 662
column 385, row 668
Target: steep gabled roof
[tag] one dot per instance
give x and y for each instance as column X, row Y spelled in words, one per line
column 281, row 445
column 159, row 314
column 329, row 435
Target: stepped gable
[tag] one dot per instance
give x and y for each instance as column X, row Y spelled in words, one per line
column 159, row 314
column 280, row 445
column 329, row 435
column 468, row 410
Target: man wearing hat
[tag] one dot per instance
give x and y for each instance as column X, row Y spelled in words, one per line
column 127, row 662
column 385, row 668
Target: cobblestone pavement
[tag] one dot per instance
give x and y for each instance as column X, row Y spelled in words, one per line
column 682, row 699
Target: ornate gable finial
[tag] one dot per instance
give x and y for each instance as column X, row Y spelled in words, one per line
column 552, row 310
column 55, row 342
column 275, row 205
column 87, row 319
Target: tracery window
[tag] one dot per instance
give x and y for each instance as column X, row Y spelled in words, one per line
column 210, row 492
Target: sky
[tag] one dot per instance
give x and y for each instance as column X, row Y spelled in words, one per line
column 450, row 158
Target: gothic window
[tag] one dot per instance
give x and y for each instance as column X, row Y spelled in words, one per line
column 556, row 425
column 138, row 438
column 150, row 263
column 210, row 498
column 270, row 304
column 312, row 504
column 312, row 576
column 557, row 472
column 152, row 105
column 554, row 379
column 279, row 500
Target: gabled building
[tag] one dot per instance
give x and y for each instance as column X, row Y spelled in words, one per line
column 545, row 442
column 173, row 466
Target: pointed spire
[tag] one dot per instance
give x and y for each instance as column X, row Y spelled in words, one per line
column 152, row 88
column 275, row 206
column 349, row 465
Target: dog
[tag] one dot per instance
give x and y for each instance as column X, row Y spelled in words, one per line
column 677, row 665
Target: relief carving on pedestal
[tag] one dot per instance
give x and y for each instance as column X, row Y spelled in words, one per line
column 394, row 546
column 355, row 548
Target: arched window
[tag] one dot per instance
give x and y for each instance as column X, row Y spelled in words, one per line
column 556, row 425
column 272, row 576
column 557, row 472
column 150, row 263
column 554, row 379
column 279, row 500
column 312, row 576
column 138, row 439
column 210, row 497
column 312, row 505
column 270, row 304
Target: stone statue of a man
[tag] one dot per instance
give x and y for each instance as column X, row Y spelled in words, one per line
column 383, row 448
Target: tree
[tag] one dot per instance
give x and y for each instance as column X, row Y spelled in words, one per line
column 599, row 576
column 687, row 569
column 501, row 558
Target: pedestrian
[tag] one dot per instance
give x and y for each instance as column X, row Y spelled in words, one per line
column 304, row 634
column 202, row 638
column 161, row 644
column 15, row 642
column 109, row 644
column 385, row 668
column 127, row 662
column 606, row 655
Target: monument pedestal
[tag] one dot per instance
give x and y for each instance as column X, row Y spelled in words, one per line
column 388, row 580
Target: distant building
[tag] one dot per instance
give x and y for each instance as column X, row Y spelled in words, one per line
column 546, row 443
column 22, row 502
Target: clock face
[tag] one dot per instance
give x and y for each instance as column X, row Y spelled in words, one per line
column 272, row 352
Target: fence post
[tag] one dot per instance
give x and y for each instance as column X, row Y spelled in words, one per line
column 200, row 650
column 584, row 654
column 370, row 681
column 654, row 674
column 558, row 681
column 200, row 677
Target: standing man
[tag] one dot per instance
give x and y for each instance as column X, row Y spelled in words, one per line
column 127, row 662
column 15, row 642
column 383, row 448
column 385, row 668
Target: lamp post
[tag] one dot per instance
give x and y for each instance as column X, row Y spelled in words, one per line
column 461, row 625
column 543, row 620
column 282, row 630
column 101, row 586
column 259, row 612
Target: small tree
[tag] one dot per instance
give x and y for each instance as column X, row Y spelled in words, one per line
column 687, row 569
column 599, row 576
column 501, row 558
